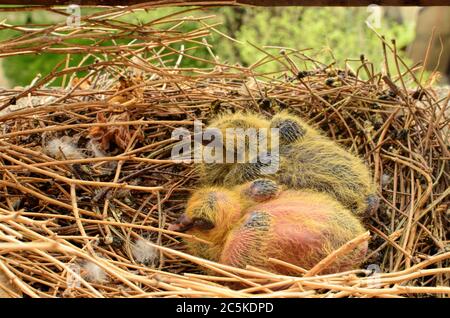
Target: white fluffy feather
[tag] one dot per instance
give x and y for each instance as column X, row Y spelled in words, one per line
column 143, row 252
column 60, row 148
column 93, row 273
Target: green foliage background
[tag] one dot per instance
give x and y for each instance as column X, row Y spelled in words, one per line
column 330, row 34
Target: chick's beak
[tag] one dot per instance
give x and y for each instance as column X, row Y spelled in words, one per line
column 182, row 224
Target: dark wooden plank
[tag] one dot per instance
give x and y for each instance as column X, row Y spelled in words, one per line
column 248, row 2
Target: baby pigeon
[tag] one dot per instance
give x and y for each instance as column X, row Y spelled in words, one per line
column 248, row 224
column 306, row 159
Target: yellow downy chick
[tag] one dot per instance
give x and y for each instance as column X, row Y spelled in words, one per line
column 251, row 223
column 307, row 160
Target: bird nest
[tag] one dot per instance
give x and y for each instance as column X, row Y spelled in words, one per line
column 88, row 185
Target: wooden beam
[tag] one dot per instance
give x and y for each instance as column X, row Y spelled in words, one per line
column 236, row 2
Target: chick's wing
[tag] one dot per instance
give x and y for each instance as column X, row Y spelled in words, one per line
column 247, row 243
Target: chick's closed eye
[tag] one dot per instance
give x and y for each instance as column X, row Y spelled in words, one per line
column 203, row 224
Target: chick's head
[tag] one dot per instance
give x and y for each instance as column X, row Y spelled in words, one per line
column 210, row 214
column 242, row 137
